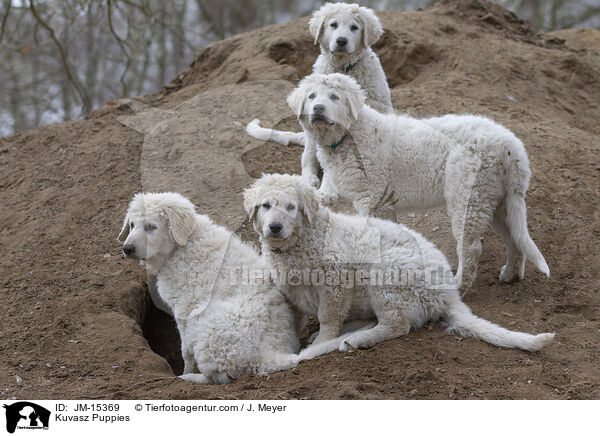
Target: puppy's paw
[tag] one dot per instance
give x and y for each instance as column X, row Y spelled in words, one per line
column 346, row 345
column 506, row 275
column 196, row 378
column 329, row 196
column 311, row 179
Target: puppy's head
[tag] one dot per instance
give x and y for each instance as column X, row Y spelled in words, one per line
column 156, row 224
column 345, row 29
column 278, row 205
column 323, row 101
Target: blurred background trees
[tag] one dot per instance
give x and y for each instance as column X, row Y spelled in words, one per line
column 59, row 59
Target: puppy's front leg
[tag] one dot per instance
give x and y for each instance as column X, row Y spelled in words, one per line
column 328, row 189
column 189, row 363
column 334, row 305
column 310, row 164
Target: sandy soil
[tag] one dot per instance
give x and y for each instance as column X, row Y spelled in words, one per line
column 78, row 322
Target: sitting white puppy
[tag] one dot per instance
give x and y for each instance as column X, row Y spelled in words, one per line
column 474, row 166
column 226, row 328
column 345, row 33
column 398, row 276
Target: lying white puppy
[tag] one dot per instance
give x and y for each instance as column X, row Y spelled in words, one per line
column 413, row 282
column 226, row 328
column 474, row 166
column 345, row 33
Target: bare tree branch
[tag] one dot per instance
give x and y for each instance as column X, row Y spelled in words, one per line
column 217, row 28
column 85, row 100
column 4, row 19
column 154, row 18
column 585, row 15
column 123, row 45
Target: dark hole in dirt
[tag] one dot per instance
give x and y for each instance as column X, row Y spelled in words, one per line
column 160, row 330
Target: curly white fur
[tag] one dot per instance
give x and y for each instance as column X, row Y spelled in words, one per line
column 317, row 239
column 476, row 167
column 360, row 28
column 226, row 328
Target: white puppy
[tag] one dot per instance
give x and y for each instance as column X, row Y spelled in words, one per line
column 413, row 282
column 226, row 328
column 474, row 166
column 345, row 33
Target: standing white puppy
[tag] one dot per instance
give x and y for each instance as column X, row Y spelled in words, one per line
column 345, row 33
column 474, row 166
column 226, row 327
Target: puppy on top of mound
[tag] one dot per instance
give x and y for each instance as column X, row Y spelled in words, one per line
column 226, row 327
column 400, row 278
column 345, row 33
column 475, row 167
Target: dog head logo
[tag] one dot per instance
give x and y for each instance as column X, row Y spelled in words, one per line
column 26, row 415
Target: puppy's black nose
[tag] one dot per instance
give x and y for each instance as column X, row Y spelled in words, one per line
column 275, row 227
column 341, row 42
column 128, row 249
column 319, row 108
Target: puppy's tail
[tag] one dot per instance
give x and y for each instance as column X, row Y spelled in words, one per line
column 461, row 320
column 516, row 220
column 284, row 138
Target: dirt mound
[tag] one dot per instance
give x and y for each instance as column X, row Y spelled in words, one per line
column 78, row 319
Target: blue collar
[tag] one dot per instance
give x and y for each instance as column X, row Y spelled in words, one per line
column 338, row 143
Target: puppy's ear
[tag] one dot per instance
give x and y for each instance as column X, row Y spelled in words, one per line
column 251, row 201
column 356, row 97
column 181, row 222
column 310, row 201
column 315, row 25
column 125, row 230
column 296, row 99
column 372, row 29
column 355, row 104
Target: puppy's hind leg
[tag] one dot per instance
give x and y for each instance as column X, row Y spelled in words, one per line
column 392, row 322
column 514, row 268
column 472, row 196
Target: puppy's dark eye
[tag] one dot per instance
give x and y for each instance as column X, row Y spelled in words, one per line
column 291, row 207
column 266, row 206
column 132, row 226
column 334, row 25
column 312, row 95
column 354, row 27
column 334, row 97
column 149, row 227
